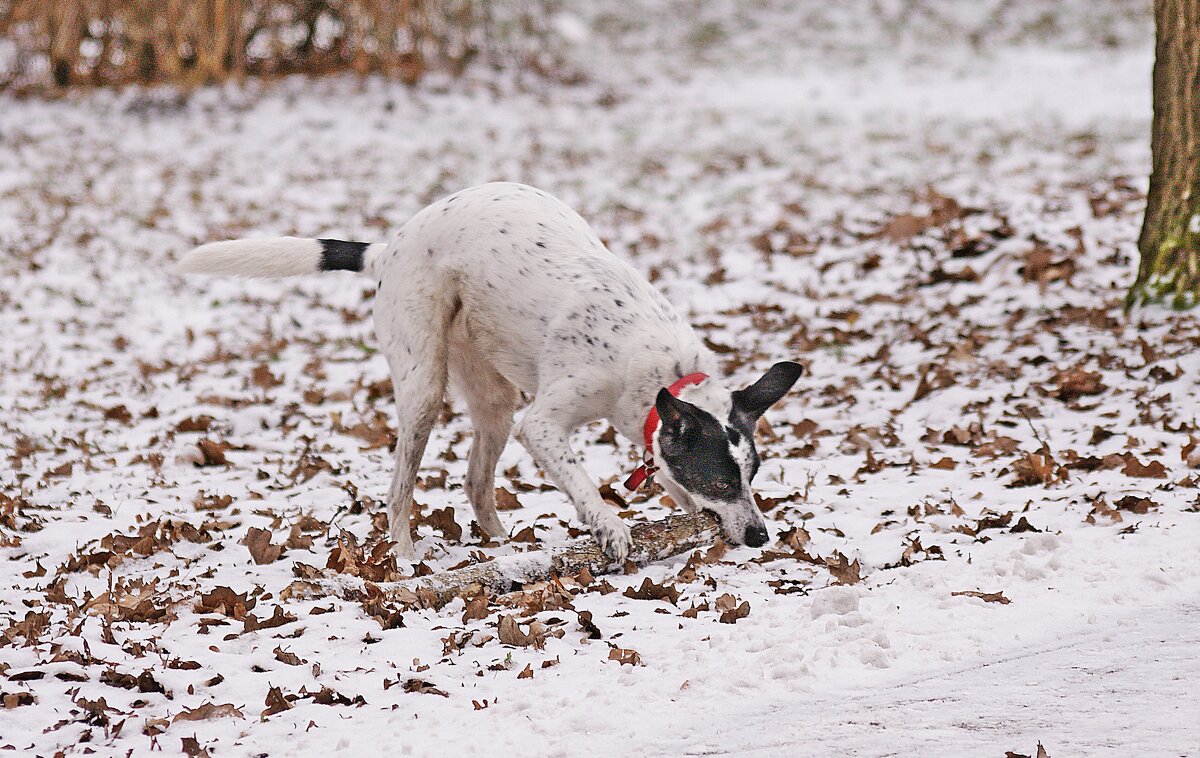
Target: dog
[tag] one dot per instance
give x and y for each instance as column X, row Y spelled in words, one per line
column 501, row 289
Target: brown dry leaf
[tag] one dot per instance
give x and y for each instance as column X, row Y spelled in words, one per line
column 262, row 377
column 17, row 699
column 510, row 633
column 933, row 378
column 131, row 600
column 347, row 557
column 1151, row 470
column 1000, row 446
column 610, row 495
column 715, row 553
column 795, row 538
column 442, row 520
column 279, row 617
column 194, row 424
column 259, row 543
column 651, row 591
column 208, row 711
column 1076, row 382
column 1190, row 454
column 212, row 453
column 297, row 540
column 205, row 502
column 904, row 227
column 276, row 702
column 1042, row 268
column 192, row 749
column 423, row 687
column 527, row 673
column 625, row 656
column 843, row 570
column 477, row 608
column 993, row 520
column 1023, row 525
column 506, row 501
column 154, row 726
column 987, row 597
column 1036, row 468
column 589, row 626
column 373, row 430
column 731, row 608
column 1135, row 504
column 525, row 535
column 225, row 601
column 1101, row 508
column 289, row 658
column 119, row 413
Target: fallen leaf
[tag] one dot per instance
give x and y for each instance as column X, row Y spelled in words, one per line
column 212, row 453
column 276, row 702
column 843, row 570
column 506, row 501
column 278, row 618
column 423, row 687
column 1151, row 470
column 259, row 543
column 1075, row 382
column 261, row 376
column 625, row 657
column 442, row 520
column 1135, row 504
column 208, row 711
column 987, row 597
column 225, row 601
column 651, row 591
column 477, row 608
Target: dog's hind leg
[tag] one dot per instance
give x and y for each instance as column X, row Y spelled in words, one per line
column 412, row 325
column 491, row 400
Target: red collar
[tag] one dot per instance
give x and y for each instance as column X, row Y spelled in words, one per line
column 647, row 469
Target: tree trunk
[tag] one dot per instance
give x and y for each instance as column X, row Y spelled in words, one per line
column 1170, row 238
column 651, row 542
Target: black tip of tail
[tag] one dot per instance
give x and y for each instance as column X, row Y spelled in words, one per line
column 339, row 255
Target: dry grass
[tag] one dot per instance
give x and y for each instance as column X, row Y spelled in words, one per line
column 62, row 43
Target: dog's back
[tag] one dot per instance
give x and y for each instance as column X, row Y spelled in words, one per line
column 533, row 286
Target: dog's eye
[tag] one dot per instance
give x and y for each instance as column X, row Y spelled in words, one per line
column 723, row 485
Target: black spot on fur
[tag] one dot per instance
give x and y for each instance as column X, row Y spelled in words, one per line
column 339, row 255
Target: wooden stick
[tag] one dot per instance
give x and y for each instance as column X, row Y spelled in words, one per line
column 651, row 542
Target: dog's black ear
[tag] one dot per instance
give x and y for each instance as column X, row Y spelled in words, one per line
column 673, row 413
column 754, row 401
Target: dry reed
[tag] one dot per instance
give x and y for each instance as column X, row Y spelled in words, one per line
column 110, row 42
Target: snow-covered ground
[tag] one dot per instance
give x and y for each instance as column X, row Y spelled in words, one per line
column 933, row 205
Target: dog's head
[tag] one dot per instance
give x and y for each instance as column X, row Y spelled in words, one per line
column 706, row 454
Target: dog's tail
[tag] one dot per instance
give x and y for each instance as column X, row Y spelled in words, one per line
column 279, row 256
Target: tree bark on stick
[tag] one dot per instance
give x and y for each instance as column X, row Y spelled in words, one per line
column 1170, row 239
column 651, row 542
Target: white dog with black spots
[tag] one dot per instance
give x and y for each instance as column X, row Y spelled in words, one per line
column 500, row 290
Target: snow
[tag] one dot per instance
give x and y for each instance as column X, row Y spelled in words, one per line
column 696, row 138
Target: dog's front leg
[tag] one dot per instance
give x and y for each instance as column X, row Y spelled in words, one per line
column 547, row 439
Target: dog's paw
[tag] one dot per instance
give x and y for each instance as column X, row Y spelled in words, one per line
column 613, row 536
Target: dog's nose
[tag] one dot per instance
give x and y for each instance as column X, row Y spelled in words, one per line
column 756, row 536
